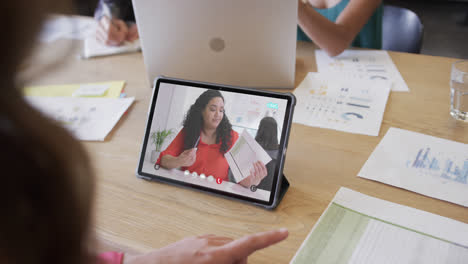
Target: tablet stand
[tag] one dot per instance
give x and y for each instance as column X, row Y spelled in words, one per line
column 284, row 188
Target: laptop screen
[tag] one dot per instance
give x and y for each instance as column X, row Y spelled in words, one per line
column 224, row 140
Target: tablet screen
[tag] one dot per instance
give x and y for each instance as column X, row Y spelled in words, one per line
column 220, row 139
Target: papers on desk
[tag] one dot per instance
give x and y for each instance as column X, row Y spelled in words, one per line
column 87, row 118
column 424, row 164
column 93, row 48
column 101, row 89
column 83, row 28
column 357, row 228
column 344, row 104
column 362, row 64
column 69, row 27
column 243, row 154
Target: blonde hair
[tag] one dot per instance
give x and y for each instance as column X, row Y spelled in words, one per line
column 47, row 179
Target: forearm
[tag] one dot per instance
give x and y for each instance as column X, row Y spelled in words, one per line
column 329, row 36
column 170, row 162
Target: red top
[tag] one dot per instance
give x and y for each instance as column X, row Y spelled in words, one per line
column 111, row 257
column 209, row 160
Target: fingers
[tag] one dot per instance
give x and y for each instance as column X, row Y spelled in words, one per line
column 192, row 155
column 121, row 26
column 214, row 240
column 246, row 182
column 111, row 32
column 258, row 172
column 263, row 172
column 243, row 247
column 188, row 157
column 132, row 33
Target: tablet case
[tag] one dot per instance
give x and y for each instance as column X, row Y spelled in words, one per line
column 282, row 187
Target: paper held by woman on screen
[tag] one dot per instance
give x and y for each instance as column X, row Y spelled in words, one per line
column 242, row 155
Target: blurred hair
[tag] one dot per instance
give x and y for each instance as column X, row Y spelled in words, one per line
column 267, row 133
column 194, row 121
column 47, row 181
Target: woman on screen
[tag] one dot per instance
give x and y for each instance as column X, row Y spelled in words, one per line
column 204, row 139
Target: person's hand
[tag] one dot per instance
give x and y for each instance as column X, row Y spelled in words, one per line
column 112, row 32
column 210, row 249
column 187, row 158
column 132, row 33
column 257, row 173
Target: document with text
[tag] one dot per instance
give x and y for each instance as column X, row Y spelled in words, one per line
column 89, row 119
column 344, row 104
column 364, row 65
column 360, row 229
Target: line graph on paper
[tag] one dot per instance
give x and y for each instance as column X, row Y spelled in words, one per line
column 427, row 162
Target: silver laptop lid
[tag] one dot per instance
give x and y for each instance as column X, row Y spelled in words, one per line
column 249, row 43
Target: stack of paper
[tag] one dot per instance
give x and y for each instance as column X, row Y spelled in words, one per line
column 424, row 164
column 362, row 64
column 361, row 229
column 89, row 111
column 341, row 103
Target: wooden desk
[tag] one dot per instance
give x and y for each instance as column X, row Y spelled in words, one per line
column 137, row 215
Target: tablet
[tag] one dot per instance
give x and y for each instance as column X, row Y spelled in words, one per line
column 223, row 140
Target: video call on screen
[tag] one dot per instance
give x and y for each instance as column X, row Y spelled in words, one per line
column 215, row 139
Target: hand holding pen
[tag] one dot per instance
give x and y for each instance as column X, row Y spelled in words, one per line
column 188, row 157
column 114, row 32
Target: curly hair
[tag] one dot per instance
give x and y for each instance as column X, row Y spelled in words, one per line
column 193, row 123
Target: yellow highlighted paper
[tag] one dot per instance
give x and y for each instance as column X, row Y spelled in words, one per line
column 66, row 90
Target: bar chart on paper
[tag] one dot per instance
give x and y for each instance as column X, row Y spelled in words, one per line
column 424, row 164
column 439, row 165
column 358, row 229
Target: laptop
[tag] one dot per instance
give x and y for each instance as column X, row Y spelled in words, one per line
column 248, row 43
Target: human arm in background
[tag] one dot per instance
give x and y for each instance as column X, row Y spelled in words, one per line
column 335, row 37
column 209, row 249
column 112, row 28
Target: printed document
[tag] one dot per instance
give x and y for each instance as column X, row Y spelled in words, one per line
column 420, row 163
column 359, row 229
column 243, row 154
column 93, row 48
column 89, row 119
column 344, row 104
column 362, row 64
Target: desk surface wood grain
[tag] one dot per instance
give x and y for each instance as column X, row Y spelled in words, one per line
column 137, row 215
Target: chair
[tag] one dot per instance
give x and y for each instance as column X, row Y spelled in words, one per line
column 402, row 30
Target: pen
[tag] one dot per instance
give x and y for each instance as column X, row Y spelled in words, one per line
column 196, row 144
